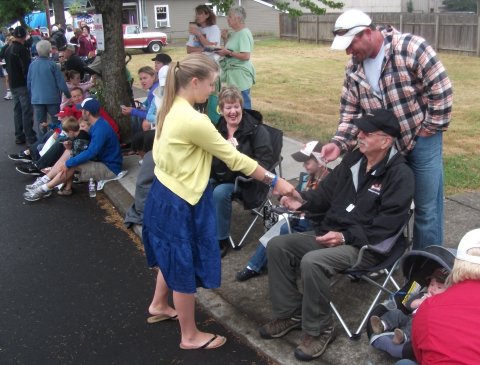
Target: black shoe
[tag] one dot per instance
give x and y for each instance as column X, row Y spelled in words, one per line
column 246, row 274
column 19, row 141
column 224, row 245
column 21, row 157
column 29, row 169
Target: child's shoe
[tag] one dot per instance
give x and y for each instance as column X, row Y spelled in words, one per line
column 377, row 325
column 398, row 336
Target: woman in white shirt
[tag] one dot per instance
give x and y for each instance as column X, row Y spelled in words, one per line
column 204, row 32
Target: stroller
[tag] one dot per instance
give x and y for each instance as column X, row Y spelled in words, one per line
column 416, row 267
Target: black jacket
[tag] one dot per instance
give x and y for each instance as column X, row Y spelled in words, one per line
column 17, row 59
column 77, row 64
column 366, row 213
column 253, row 140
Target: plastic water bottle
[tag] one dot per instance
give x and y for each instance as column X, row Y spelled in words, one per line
column 92, row 191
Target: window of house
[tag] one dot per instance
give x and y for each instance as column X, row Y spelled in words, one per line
column 162, row 19
column 215, row 9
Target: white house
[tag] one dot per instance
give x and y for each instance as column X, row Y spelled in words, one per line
column 172, row 16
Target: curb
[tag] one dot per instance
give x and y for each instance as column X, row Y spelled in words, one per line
column 278, row 351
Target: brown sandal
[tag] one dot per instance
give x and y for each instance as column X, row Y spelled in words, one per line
column 65, row 192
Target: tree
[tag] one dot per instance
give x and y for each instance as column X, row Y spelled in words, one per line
column 285, row 6
column 114, row 76
column 461, row 5
column 11, row 11
column 58, row 8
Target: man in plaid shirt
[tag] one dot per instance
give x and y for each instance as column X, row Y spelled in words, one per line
column 400, row 72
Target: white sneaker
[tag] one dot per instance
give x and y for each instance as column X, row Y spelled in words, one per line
column 36, row 194
column 8, row 95
column 37, row 183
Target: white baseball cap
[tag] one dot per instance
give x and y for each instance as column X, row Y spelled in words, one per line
column 470, row 240
column 307, row 151
column 350, row 23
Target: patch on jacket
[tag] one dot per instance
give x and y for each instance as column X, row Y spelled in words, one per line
column 375, row 188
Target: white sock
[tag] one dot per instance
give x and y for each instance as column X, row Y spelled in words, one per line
column 45, row 179
column 44, row 188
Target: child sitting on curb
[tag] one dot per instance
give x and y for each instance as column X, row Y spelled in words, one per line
column 78, row 141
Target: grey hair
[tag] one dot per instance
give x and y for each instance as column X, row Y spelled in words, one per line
column 238, row 12
column 44, row 48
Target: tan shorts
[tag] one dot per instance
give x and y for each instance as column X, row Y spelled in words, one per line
column 96, row 170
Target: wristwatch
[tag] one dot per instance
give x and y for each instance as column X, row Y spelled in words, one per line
column 270, row 179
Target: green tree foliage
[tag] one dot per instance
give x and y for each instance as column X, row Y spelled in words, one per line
column 13, row 10
column 461, row 5
column 285, row 6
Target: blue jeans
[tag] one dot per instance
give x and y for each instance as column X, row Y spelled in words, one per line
column 222, row 198
column 23, row 115
column 427, row 164
column 247, row 100
column 40, row 113
column 259, row 259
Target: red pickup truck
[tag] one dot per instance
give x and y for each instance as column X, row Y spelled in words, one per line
column 133, row 37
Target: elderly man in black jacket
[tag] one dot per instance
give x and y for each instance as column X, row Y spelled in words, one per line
column 364, row 200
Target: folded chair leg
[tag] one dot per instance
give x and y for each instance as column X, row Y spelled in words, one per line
column 340, row 319
column 377, row 297
column 247, row 232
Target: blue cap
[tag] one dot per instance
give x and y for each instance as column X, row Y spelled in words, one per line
column 89, row 104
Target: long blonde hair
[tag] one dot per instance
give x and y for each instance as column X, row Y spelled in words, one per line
column 179, row 76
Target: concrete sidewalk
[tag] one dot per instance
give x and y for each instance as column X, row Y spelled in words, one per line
column 244, row 306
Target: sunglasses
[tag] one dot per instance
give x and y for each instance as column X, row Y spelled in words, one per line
column 342, row 32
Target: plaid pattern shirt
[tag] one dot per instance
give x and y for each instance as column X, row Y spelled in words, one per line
column 413, row 83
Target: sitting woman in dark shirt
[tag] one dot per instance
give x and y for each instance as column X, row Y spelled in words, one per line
column 244, row 129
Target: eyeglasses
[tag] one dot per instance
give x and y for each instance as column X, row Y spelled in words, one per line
column 342, row 32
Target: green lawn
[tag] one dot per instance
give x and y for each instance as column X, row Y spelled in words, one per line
column 298, row 89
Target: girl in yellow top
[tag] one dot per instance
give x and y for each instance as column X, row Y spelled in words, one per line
column 179, row 231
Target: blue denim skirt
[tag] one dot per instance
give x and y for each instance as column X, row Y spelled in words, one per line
column 181, row 239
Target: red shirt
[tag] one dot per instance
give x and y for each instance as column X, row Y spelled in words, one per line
column 445, row 329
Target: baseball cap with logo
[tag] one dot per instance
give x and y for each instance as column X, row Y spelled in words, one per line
column 379, row 120
column 89, row 104
column 470, row 240
column 307, row 151
column 349, row 24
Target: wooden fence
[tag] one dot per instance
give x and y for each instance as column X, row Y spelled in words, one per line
column 453, row 32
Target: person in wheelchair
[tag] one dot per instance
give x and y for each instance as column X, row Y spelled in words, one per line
column 244, row 130
column 315, row 170
column 364, row 200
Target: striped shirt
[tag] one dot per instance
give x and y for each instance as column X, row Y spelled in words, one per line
column 413, row 83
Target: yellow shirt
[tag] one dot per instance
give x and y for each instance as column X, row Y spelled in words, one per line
column 183, row 153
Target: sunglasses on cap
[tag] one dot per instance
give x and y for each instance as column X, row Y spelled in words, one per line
column 342, row 32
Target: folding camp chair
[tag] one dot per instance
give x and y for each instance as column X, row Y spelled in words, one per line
column 276, row 138
column 393, row 249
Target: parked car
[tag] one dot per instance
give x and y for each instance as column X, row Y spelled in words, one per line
column 133, row 37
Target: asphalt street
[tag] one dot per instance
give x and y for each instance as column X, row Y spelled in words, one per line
column 74, row 288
